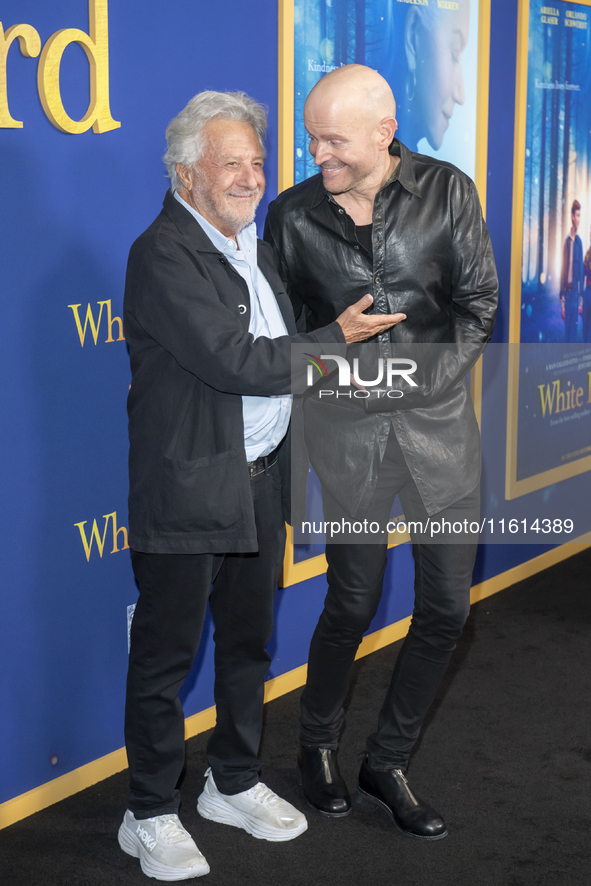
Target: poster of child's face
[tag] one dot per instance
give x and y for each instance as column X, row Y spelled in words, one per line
column 428, row 53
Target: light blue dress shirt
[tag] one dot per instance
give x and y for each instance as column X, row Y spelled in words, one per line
column 265, row 418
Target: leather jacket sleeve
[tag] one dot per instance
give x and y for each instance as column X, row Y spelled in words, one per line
column 474, row 294
column 299, row 308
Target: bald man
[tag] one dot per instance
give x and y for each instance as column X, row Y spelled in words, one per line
column 409, row 229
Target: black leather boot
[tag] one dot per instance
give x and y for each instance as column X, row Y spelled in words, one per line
column 390, row 791
column 323, row 785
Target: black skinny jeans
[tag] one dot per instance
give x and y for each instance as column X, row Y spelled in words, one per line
column 443, row 574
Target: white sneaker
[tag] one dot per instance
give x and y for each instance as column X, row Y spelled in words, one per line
column 165, row 849
column 259, row 811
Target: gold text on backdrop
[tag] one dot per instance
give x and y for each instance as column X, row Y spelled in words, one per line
column 96, row 46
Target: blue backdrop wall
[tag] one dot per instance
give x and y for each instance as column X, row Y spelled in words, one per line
column 71, row 206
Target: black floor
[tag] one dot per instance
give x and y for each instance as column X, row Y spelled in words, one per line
column 506, row 757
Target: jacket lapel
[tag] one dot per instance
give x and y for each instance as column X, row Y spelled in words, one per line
column 267, row 266
column 188, row 226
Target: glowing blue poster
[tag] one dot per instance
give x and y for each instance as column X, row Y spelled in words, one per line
column 556, row 254
column 549, row 429
column 427, row 51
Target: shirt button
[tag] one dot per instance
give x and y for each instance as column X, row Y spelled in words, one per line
column 378, row 279
column 341, row 211
column 356, row 247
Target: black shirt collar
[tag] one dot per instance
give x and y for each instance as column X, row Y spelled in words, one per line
column 405, row 174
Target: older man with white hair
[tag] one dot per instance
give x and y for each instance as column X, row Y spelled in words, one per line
column 209, row 328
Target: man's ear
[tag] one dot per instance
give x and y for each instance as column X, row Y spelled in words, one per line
column 185, row 173
column 387, row 130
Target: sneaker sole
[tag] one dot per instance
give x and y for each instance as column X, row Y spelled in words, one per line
column 150, row 866
column 372, row 804
column 217, row 810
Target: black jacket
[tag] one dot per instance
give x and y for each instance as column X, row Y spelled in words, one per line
column 192, row 358
column 432, row 260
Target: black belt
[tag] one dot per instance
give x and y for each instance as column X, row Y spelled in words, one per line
column 263, row 463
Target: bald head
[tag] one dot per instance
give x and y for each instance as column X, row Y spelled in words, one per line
column 356, row 90
column 350, row 116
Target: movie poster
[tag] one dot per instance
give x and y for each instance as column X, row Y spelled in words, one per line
column 426, row 49
column 550, row 438
column 556, row 258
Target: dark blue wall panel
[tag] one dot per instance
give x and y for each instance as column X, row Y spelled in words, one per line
column 71, row 206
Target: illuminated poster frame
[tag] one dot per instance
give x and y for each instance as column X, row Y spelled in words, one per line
column 514, row 486
column 294, row 572
column 287, row 96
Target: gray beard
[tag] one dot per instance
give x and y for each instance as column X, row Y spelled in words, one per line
column 230, row 221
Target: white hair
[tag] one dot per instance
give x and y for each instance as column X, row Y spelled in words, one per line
column 184, row 133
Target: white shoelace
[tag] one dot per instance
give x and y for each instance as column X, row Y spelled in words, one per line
column 264, row 795
column 171, row 829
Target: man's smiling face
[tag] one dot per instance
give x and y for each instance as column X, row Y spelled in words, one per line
column 343, row 142
column 227, row 183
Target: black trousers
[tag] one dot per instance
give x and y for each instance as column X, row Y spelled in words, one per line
column 443, row 573
column 165, row 634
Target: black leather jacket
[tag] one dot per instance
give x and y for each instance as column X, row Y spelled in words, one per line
column 432, row 259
